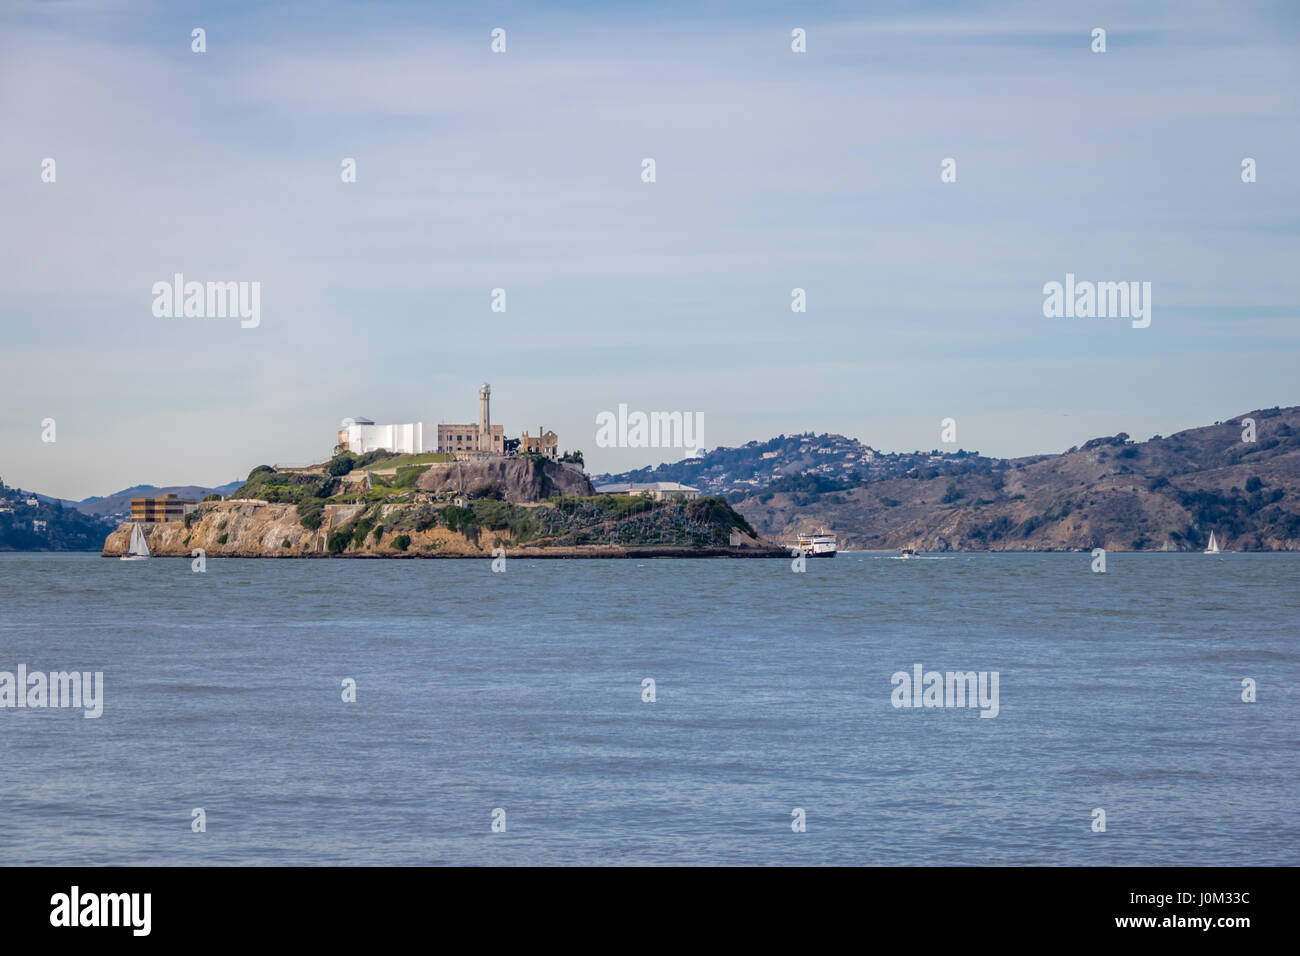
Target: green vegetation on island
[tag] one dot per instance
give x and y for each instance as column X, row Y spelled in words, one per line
column 380, row 504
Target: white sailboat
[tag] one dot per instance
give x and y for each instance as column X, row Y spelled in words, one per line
column 1213, row 547
column 139, row 550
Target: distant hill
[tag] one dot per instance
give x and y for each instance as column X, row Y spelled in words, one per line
column 54, row 524
column 822, row 458
column 119, row 503
column 1113, row 493
column 46, row 525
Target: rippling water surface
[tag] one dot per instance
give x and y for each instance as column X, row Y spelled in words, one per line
column 523, row 691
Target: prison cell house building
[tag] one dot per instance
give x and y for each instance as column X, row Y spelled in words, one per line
column 468, row 440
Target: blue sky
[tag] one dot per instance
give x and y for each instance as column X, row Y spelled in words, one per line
column 522, row 171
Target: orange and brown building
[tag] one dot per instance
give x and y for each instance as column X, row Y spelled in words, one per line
column 155, row 510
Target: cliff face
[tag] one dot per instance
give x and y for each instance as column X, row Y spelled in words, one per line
column 256, row 529
column 510, row 479
column 241, row 528
column 1161, row 494
column 247, row 528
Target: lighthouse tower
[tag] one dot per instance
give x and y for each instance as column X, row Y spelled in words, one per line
column 485, row 418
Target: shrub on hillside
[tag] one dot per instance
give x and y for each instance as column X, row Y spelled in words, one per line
column 370, row 457
column 717, row 511
column 310, row 514
column 340, row 464
column 620, row 506
column 407, row 475
column 462, row 520
column 493, row 515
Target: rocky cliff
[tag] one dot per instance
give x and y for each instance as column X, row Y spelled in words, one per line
column 238, row 528
column 605, row 526
column 509, row 479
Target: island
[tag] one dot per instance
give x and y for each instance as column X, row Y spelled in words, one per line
column 387, row 505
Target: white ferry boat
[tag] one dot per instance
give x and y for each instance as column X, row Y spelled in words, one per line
column 819, row 545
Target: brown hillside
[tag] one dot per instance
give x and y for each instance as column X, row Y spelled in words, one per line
column 1161, row 494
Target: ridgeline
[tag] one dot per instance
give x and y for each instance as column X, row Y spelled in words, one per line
column 1162, row 494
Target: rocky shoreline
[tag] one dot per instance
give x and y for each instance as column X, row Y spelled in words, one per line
column 598, row 552
column 248, row 528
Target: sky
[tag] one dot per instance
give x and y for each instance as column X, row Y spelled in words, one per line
column 522, row 171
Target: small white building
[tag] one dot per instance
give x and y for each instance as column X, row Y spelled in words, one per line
column 361, row 435
column 658, row 490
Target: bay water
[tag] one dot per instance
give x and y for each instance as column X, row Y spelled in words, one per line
column 525, row 692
